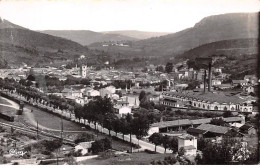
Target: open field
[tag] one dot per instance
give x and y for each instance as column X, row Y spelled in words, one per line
column 141, row 158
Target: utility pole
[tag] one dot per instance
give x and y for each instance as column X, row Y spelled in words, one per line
column 61, row 132
column 37, row 130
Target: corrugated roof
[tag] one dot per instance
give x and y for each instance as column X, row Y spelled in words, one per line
column 232, row 119
column 245, row 127
column 196, row 131
column 172, row 123
column 208, row 96
column 214, row 128
column 201, row 121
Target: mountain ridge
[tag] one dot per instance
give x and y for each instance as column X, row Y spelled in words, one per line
column 86, row 37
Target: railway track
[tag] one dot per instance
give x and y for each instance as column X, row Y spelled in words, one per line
column 34, row 131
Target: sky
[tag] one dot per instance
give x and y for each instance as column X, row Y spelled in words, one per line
column 109, row 15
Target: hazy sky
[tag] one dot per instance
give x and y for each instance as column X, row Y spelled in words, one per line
column 107, row 15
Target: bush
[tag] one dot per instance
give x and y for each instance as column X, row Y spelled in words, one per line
column 181, row 151
column 170, row 160
column 19, row 112
column 46, row 152
column 84, row 137
column 133, row 145
column 101, row 145
column 149, row 151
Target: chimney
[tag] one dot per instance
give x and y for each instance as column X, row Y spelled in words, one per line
column 209, row 83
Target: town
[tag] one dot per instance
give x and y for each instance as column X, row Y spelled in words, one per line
column 157, row 110
column 129, row 82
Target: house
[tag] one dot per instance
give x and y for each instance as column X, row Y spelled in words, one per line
column 108, row 91
column 249, row 89
column 251, row 79
column 84, row 147
column 122, row 108
column 239, row 82
column 71, row 93
column 189, row 143
column 219, row 70
column 216, row 82
column 82, row 57
column 166, row 126
column 89, row 92
column 62, row 78
column 224, row 86
column 122, row 111
column 248, row 129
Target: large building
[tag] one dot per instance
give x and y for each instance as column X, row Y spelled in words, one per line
column 208, row 101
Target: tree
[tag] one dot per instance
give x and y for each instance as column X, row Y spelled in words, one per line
column 165, row 142
column 140, row 126
column 181, row 151
column 124, row 127
column 116, row 125
column 169, row 67
column 227, row 114
column 173, row 144
column 142, row 95
column 156, row 139
column 218, row 121
column 159, row 68
column 84, row 137
column 101, row 145
column 31, row 78
column 229, row 151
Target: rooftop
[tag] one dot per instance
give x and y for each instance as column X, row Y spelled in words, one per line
column 196, row 131
column 186, row 136
column 214, row 128
column 218, row 97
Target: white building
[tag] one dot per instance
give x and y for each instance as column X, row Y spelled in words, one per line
column 211, row 101
column 189, row 143
column 83, row 71
column 216, row 82
column 82, row 57
column 84, row 147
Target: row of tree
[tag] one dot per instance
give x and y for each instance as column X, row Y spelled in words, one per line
column 165, row 141
column 100, row 111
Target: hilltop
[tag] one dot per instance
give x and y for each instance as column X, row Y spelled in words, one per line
column 237, row 57
column 137, row 34
column 208, row 30
column 18, row 45
column 86, row 37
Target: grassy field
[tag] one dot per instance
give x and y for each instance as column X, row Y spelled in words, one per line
column 141, row 158
column 52, row 121
column 3, row 101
